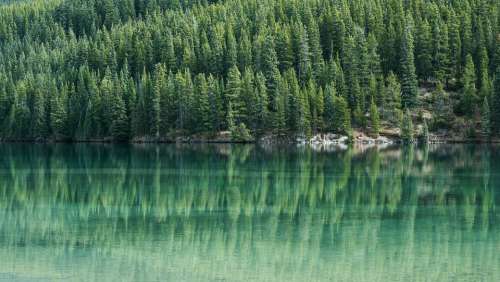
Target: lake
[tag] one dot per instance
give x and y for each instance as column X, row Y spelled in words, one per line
column 246, row 213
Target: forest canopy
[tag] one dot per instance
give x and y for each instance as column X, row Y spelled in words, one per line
column 125, row 69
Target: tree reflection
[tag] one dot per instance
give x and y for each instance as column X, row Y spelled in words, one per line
column 291, row 213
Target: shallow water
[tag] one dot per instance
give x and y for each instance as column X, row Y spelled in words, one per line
column 244, row 213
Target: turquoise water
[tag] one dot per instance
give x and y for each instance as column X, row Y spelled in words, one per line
column 245, row 213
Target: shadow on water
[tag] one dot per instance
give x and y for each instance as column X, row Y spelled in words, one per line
column 247, row 213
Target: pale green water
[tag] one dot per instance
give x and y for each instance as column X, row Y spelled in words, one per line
column 242, row 213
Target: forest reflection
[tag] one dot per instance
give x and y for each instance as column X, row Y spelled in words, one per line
column 201, row 212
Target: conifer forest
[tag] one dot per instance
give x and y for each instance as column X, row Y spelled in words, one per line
column 126, row 69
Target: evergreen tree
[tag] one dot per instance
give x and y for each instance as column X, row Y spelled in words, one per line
column 285, row 49
column 441, row 56
column 468, row 98
column 485, row 119
column 58, row 116
column 408, row 76
column 235, row 104
column 374, row 119
column 37, row 120
column 272, row 74
column 119, row 125
column 244, row 51
column 342, row 116
column 442, row 108
column 304, row 68
column 202, row 108
column 424, row 53
column 279, row 119
column 69, row 68
column 495, row 113
column 159, row 88
column 261, row 108
column 484, row 78
column 330, row 95
column 231, row 49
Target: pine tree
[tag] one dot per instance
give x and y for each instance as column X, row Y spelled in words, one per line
column 37, row 121
column 5, row 112
column 330, row 95
column 250, row 98
column 184, row 97
column 107, row 91
column 202, row 108
column 244, row 51
column 304, row 122
column 169, row 57
column 284, row 49
column 442, row 108
column 374, row 119
column 408, row 76
column 235, row 104
column 484, row 78
column 316, row 53
column 441, row 58
column 293, row 103
column 304, row 68
column 231, row 53
column 215, row 98
column 261, row 107
column 160, row 86
column 110, row 13
column 485, row 119
column 119, row 125
column 455, row 45
column 373, row 59
column 424, row 55
column 495, row 105
column 469, row 97
column 93, row 114
column 279, row 118
column 350, row 65
column 316, row 104
column 22, row 119
column 58, row 116
column 270, row 71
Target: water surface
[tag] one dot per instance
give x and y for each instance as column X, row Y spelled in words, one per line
column 244, row 213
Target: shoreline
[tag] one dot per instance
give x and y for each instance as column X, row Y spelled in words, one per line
column 317, row 139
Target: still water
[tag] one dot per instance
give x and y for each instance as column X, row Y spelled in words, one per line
column 245, row 213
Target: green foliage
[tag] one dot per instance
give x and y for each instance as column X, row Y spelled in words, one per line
column 495, row 105
column 469, row 96
column 374, row 119
column 342, row 116
column 442, row 108
column 99, row 69
column 485, row 119
column 241, row 133
column 408, row 75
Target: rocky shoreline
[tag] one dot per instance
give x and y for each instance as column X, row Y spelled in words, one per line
column 224, row 137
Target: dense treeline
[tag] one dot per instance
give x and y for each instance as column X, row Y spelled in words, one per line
column 93, row 69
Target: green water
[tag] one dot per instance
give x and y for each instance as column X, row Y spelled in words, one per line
column 244, row 213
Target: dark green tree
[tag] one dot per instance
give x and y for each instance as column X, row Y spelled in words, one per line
column 485, row 119
column 408, row 76
column 374, row 119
